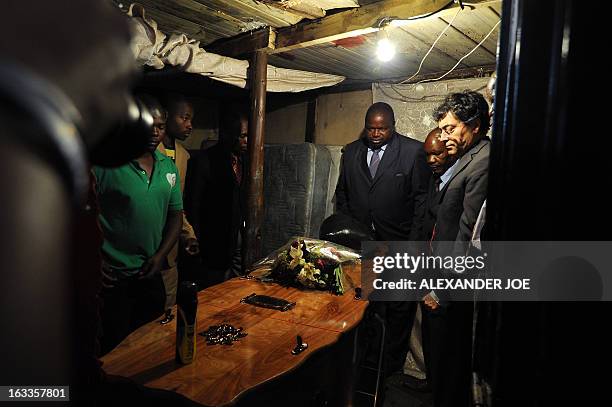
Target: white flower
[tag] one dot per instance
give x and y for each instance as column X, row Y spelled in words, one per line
column 296, row 255
column 296, row 262
column 309, row 276
column 296, row 252
column 305, row 275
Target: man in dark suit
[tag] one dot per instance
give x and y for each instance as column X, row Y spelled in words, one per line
column 382, row 184
column 463, row 120
column 442, row 165
column 383, row 177
column 215, row 198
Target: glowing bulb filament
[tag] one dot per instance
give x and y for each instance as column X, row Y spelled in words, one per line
column 385, row 50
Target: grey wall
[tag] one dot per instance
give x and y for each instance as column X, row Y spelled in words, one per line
column 287, row 125
column 413, row 104
column 340, row 116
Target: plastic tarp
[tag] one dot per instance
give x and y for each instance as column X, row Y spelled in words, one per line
column 153, row 48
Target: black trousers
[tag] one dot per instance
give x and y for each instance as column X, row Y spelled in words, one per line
column 398, row 317
column 127, row 306
column 447, row 347
column 216, row 275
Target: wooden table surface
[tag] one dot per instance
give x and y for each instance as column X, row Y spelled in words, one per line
column 221, row 373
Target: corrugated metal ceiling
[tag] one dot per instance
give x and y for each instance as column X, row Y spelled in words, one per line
column 210, row 20
column 359, row 62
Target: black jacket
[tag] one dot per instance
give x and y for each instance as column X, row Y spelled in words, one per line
column 395, row 197
column 456, row 207
column 215, row 204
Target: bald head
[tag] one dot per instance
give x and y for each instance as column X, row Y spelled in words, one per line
column 379, row 124
column 433, row 138
column 436, row 153
column 381, row 108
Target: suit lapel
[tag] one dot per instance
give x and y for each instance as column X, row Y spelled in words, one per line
column 433, row 197
column 362, row 157
column 388, row 158
column 463, row 162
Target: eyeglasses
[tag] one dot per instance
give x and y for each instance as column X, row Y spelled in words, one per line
column 448, row 130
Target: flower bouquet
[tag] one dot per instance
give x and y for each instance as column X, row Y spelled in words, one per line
column 307, row 263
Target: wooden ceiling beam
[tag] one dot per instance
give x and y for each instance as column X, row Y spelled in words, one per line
column 345, row 24
column 354, row 22
column 246, row 43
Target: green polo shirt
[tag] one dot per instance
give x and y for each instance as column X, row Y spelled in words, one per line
column 133, row 210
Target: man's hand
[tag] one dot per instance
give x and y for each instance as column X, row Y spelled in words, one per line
column 151, row 266
column 192, row 247
column 430, row 302
column 108, row 279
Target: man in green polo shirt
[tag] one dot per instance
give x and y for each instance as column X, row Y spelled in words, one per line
column 141, row 216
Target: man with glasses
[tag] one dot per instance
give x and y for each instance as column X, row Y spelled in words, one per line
column 463, row 119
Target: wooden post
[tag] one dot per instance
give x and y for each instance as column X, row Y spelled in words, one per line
column 258, row 79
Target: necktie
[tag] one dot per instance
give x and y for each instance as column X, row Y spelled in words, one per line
column 437, row 184
column 374, row 161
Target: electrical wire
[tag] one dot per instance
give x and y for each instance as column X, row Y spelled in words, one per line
column 481, row 3
column 428, row 15
column 462, row 58
column 389, row 19
column 432, row 47
column 404, row 98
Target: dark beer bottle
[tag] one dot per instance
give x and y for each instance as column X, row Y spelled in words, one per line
column 187, row 306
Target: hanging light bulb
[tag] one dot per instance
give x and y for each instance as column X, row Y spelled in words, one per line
column 385, row 51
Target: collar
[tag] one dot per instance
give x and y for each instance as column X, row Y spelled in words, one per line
column 449, row 172
column 382, row 148
column 475, row 145
column 366, row 144
column 157, row 156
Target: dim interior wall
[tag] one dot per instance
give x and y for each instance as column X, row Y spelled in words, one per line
column 413, row 104
column 340, row 117
column 287, row 125
column 334, row 173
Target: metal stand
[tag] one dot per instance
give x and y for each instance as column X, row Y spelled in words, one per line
column 380, row 360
